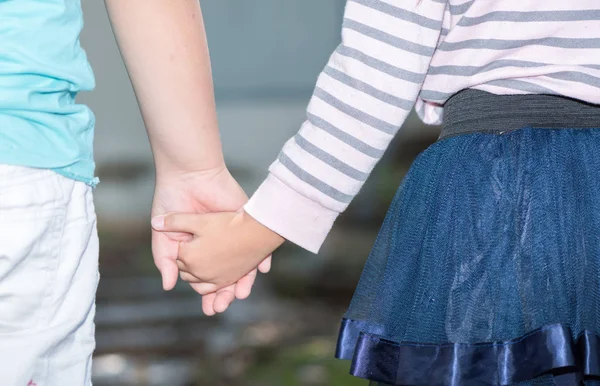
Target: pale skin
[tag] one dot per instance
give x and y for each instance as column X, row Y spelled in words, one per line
column 164, row 46
column 224, row 246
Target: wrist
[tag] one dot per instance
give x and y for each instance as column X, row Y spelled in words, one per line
column 268, row 239
column 207, row 170
column 291, row 214
column 194, row 155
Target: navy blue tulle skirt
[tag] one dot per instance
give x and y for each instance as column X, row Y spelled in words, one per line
column 486, row 270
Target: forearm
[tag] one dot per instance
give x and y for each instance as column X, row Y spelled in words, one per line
column 164, row 47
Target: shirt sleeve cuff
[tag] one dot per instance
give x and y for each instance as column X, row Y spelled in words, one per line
column 290, row 214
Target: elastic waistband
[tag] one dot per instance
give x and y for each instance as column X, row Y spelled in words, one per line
column 472, row 111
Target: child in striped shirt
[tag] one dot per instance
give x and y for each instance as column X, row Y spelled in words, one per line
column 487, row 267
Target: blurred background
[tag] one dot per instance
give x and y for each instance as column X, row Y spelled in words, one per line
column 266, row 56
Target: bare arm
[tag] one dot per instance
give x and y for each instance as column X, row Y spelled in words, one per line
column 164, row 47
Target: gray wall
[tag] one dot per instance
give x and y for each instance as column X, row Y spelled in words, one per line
column 261, row 46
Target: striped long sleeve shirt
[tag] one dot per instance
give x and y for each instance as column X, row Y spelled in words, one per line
column 400, row 54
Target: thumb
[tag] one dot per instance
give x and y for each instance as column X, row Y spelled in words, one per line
column 178, row 222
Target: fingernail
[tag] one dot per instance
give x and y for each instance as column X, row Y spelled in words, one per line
column 158, row 222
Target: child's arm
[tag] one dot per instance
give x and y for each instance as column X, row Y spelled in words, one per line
column 362, row 98
column 164, row 46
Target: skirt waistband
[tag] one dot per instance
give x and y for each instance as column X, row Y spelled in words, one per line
column 472, row 111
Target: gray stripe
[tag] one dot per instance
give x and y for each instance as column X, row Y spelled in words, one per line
column 473, row 70
column 400, row 13
column 496, row 44
column 377, row 64
column 522, row 85
column 329, row 159
column 532, row 16
column 461, row 9
column 409, row 76
column 440, row 1
column 444, row 31
column 368, row 89
column 384, row 37
column 575, row 76
column 355, row 113
column 348, row 139
column 313, row 181
column 435, row 96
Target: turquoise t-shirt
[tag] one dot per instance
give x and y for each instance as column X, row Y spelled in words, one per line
column 42, row 68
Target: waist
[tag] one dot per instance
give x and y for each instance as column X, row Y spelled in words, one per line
column 63, row 143
column 471, row 111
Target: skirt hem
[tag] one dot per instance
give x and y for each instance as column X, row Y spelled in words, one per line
column 546, row 350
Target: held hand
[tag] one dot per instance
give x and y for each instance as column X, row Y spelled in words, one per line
column 198, row 192
column 225, row 246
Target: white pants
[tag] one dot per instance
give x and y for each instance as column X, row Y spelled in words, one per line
column 48, row 278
